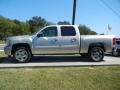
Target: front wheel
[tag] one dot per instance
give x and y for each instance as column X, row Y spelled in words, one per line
column 22, row 54
column 96, row 54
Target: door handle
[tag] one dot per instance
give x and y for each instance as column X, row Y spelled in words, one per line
column 54, row 40
column 73, row 40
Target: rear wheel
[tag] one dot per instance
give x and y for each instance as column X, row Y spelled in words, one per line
column 22, row 54
column 96, row 54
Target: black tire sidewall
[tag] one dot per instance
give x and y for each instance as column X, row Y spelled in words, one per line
column 90, row 54
column 28, row 52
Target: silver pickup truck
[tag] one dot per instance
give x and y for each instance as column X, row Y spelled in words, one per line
column 59, row 39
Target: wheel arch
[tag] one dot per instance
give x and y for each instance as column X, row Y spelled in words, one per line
column 98, row 44
column 26, row 45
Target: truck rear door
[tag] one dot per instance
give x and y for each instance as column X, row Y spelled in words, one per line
column 69, row 40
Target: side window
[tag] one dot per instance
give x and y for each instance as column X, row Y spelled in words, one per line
column 50, row 32
column 68, row 31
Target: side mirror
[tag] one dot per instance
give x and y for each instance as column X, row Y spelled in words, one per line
column 40, row 35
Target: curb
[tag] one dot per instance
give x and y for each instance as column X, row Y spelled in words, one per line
column 37, row 65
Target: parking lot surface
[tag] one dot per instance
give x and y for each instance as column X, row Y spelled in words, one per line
column 46, row 61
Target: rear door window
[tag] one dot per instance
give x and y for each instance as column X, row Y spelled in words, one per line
column 68, row 31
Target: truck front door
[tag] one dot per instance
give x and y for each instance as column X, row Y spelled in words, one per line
column 47, row 41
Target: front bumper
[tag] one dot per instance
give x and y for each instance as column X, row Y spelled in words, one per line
column 7, row 50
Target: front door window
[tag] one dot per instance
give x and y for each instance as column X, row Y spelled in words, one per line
column 50, row 32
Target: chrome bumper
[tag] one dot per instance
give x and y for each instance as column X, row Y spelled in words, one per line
column 7, row 50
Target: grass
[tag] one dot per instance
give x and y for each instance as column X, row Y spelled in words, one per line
column 2, row 54
column 60, row 78
column 67, row 78
column 2, row 41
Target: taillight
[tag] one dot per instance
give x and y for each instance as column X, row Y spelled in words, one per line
column 114, row 41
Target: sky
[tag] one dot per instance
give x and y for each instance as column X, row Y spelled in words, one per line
column 92, row 13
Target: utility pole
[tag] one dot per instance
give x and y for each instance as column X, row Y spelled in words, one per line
column 74, row 12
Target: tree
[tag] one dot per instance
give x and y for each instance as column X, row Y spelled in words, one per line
column 5, row 27
column 12, row 27
column 63, row 23
column 36, row 23
column 84, row 30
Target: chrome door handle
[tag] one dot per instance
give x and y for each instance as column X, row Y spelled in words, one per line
column 73, row 40
column 54, row 40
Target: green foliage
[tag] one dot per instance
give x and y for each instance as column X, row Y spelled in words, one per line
column 12, row 27
column 21, row 28
column 84, row 30
column 36, row 23
column 15, row 27
column 63, row 23
column 2, row 41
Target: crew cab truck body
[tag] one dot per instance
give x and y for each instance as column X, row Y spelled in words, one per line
column 59, row 39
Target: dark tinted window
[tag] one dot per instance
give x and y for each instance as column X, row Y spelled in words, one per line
column 50, row 32
column 68, row 31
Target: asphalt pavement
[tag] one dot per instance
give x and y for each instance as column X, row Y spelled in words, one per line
column 59, row 61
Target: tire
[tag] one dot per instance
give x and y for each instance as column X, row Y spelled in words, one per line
column 96, row 54
column 22, row 54
column 115, row 53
